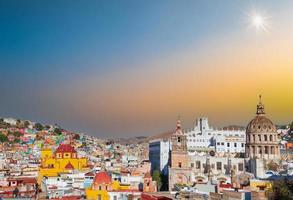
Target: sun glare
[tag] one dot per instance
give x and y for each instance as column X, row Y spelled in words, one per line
column 259, row 22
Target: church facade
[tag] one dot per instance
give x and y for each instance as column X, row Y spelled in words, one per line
column 262, row 142
column 261, row 149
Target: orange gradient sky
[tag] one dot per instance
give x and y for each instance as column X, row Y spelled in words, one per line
column 119, row 70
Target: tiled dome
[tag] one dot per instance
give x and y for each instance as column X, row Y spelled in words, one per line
column 102, row 178
column 260, row 124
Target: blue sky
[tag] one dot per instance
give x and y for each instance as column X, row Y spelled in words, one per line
column 57, row 58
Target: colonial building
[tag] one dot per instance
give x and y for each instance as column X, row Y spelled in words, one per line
column 262, row 143
column 180, row 171
column 104, row 188
column 192, row 167
column 262, row 137
column 64, row 159
column 204, row 138
column 148, row 184
column 179, row 155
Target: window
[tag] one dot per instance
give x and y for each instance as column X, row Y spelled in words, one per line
column 259, row 137
column 266, row 150
column 197, row 164
column 179, row 164
column 222, row 143
column 100, row 187
column 266, row 137
column 240, row 167
column 99, row 197
column 259, row 149
column 218, row 143
column 271, row 138
column 178, row 139
column 219, row 165
column 192, row 165
column 228, row 144
column 115, row 197
column 235, row 144
column 242, row 144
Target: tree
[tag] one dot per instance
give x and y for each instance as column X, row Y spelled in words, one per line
column 39, row 127
column 58, row 131
column 16, row 140
column 157, row 178
column 3, row 138
column 283, row 189
column 291, row 126
column 17, row 134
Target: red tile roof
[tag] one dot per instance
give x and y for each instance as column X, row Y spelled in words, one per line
column 102, row 178
column 65, row 148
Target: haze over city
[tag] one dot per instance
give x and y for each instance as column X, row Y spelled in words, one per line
column 129, row 69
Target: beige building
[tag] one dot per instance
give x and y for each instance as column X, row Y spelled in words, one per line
column 187, row 168
column 262, row 143
column 261, row 136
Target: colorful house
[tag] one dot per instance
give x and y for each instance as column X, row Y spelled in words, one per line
column 103, row 188
column 64, row 159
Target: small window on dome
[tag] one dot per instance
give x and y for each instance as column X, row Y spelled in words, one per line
column 258, row 127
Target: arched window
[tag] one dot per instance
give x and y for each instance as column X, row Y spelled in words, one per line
column 271, row 138
column 259, row 150
column 266, row 150
column 266, row 137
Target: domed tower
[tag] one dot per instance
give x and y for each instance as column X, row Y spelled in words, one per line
column 261, row 136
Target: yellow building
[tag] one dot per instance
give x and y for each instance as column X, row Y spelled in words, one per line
column 64, row 159
column 103, row 184
column 257, row 185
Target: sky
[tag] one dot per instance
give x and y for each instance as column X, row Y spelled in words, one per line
column 114, row 68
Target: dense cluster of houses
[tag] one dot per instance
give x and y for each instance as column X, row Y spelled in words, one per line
column 46, row 163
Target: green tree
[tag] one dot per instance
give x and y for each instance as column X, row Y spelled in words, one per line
column 3, row 138
column 58, row 131
column 16, row 140
column 283, row 189
column 17, row 134
column 157, row 177
column 291, row 126
column 39, row 127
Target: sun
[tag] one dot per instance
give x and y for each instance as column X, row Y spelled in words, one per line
column 260, row 22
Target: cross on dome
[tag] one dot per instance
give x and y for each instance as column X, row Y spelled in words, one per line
column 260, row 109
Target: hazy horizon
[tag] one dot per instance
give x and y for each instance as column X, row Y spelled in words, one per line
column 130, row 68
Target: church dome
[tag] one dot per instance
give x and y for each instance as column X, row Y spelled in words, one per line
column 102, row 178
column 260, row 123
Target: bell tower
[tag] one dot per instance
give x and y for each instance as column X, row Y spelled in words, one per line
column 179, row 155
